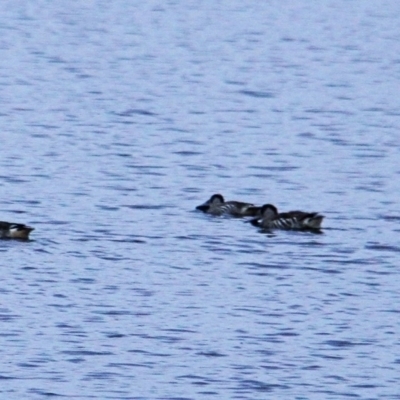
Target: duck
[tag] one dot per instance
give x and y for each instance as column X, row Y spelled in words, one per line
column 293, row 220
column 11, row 230
column 216, row 205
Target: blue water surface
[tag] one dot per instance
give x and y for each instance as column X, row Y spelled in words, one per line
column 118, row 119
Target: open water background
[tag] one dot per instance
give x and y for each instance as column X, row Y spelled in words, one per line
column 118, row 118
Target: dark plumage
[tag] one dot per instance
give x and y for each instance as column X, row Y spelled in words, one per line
column 216, row 205
column 10, row 230
column 294, row 220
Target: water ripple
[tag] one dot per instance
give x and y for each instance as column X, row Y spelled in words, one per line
column 112, row 134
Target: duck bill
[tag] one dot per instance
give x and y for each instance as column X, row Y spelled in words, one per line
column 255, row 221
column 203, row 207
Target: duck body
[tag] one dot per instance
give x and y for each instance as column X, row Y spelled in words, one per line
column 11, row 230
column 216, row 205
column 293, row 220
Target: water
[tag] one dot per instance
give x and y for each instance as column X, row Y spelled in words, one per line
column 118, row 118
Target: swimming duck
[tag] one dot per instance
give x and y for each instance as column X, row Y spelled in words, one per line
column 216, row 205
column 292, row 220
column 10, row 230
